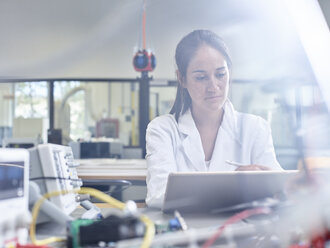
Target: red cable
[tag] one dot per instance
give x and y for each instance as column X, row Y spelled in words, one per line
column 144, row 25
column 235, row 218
column 32, row 246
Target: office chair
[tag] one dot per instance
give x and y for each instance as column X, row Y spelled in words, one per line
column 113, row 188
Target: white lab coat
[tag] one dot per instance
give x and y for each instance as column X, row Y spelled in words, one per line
column 176, row 146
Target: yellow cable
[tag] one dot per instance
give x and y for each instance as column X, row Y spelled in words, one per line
column 102, row 196
column 35, row 212
column 150, row 232
column 150, row 227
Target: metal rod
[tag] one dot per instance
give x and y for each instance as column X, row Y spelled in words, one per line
column 51, row 104
column 144, row 91
column 92, row 80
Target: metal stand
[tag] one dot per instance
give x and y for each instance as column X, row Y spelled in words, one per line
column 144, row 95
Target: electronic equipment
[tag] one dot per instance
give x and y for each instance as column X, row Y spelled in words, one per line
column 213, row 191
column 90, row 233
column 132, row 152
column 110, row 148
column 54, row 136
column 21, row 142
column 14, row 179
column 53, row 169
column 108, row 127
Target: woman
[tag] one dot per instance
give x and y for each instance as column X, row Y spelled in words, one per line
column 203, row 132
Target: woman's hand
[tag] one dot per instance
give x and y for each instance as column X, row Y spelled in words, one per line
column 252, row 167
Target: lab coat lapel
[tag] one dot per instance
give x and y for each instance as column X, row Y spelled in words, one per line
column 227, row 137
column 191, row 143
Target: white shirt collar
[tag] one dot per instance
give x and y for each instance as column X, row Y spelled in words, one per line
column 229, row 123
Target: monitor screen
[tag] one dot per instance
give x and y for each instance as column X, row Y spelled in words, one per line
column 11, row 180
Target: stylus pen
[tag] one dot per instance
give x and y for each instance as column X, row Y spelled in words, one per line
column 237, row 164
column 182, row 222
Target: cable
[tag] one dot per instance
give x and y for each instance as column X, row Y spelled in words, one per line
column 150, row 227
column 150, row 232
column 144, row 25
column 235, row 218
column 35, row 212
column 109, row 192
column 79, row 180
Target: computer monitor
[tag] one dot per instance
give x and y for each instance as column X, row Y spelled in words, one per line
column 14, row 179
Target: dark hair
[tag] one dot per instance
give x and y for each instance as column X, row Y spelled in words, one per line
column 185, row 50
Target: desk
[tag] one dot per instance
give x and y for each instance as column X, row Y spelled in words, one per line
column 201, row 226
column 126, row 169
column 133, row 170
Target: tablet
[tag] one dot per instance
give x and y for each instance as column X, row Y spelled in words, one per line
column 209, row 191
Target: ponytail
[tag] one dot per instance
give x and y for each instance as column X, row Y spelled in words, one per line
column 182, row 102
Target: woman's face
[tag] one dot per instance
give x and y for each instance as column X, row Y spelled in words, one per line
column 207, row 79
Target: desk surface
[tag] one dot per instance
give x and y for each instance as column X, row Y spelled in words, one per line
column 128, row 169
column 193, row 220
column 201, row 225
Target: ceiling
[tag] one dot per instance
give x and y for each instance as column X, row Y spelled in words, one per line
column 88, row 38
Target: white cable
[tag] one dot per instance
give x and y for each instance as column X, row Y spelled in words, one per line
column 48, row 208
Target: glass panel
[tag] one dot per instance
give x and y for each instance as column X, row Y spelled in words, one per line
column 85, row 110
column 297, row 115
column 24, row 112
column 161, row 98
column 6, row 110
column 296, row 112
column 31, row 100
column 69, row 110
